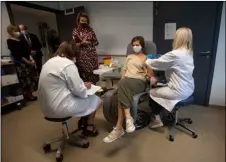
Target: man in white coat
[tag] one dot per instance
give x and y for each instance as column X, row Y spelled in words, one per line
column 62, row 93
column 178, row 66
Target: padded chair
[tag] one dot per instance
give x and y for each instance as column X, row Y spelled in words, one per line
column 141, row 118
column 175, row 121
column 66, row 138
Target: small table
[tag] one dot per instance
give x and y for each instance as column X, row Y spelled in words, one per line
column 106, row 69
column 108, row 73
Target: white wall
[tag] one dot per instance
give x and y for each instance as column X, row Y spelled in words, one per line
column 116, row 23
column 4, row 24
column 217, row 96
column 31, row 18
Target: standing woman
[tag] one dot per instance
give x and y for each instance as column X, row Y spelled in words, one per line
column 85, row 38
column 178, row 65
column 24, row 62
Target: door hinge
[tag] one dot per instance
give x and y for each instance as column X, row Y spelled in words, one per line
column 156, row 8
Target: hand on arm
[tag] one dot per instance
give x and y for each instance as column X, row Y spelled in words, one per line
column 163, row 63
column 27, row 61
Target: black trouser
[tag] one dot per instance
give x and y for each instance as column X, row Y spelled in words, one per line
column 155, row 107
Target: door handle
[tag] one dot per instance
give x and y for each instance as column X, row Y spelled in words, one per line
column 205, row 53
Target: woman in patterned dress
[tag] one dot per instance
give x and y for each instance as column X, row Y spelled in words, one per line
column 25, row 64
column 85, row 38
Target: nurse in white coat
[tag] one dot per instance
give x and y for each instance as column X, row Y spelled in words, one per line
column 178, row 65
column 62, row 92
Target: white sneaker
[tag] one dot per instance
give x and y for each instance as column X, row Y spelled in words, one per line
column 130, row 127
column 156, row 123
column 114, row 135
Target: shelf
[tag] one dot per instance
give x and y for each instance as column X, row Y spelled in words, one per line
column 13, row 99
column 9, row 84
column 9, row 80
column 11, row 103
column 5, row 64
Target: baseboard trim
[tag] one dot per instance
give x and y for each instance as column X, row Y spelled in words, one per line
column 216, row 106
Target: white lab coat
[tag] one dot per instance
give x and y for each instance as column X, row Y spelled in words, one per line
column 62, row 92
column 178, row 66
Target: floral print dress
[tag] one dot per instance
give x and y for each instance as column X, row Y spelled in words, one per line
column 87, row 61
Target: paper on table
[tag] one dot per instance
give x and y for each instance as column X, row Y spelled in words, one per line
column 93, row 89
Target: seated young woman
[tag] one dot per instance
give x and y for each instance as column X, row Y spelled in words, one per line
column 133, row 81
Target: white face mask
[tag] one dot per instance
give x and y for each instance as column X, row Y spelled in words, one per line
column 74, row 60
column 24, row 32
column 137, row 49
column 17, row 34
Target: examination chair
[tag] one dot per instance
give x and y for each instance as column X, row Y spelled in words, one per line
column 141, row 118
column 66, row 138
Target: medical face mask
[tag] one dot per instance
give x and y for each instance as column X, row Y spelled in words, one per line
column 137, row 49
column 17, row 34
column 74, row 60
column 24, row 32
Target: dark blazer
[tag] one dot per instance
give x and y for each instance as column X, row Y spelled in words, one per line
column 35, row 43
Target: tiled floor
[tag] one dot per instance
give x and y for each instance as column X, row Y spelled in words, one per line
column 23, row 133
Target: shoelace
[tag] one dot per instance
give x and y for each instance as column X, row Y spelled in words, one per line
column 129, row 122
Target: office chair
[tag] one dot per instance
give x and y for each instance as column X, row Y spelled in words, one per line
column 174, row 120
column 66, row 138
column 141, row 118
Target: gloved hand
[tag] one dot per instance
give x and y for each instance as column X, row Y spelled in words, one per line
column 149, row 56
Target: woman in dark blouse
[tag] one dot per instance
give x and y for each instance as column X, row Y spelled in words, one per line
column 24, row 62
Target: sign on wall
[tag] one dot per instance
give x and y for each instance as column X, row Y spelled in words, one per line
column 170, row 30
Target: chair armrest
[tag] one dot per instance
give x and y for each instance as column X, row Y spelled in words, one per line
column 135, row 103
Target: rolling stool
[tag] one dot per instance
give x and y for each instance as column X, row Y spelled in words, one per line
column 66, row 138
column 173, row 117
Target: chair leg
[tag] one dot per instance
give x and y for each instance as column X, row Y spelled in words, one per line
column 180, row 122
column 194, row 135
column 59, row 153
column 187, row 120
column 54, row 141
column 170, row 129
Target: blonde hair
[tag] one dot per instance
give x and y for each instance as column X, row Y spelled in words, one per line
column 183, row 39
column 11, row 28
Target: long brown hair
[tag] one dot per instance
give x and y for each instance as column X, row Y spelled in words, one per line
column 67, row 49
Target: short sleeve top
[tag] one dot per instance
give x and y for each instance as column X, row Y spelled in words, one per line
column 135, row 67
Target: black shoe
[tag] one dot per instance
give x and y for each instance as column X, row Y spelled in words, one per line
column 32, row 99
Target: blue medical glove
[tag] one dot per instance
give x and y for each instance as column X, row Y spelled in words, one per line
column 158, row 55
column 149, row 56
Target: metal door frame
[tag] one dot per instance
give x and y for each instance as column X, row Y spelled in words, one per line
column 215, row 44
